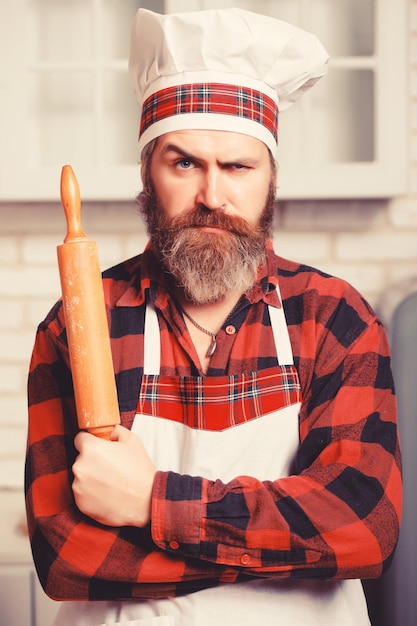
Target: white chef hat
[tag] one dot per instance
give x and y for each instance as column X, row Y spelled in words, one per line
column 220, row 69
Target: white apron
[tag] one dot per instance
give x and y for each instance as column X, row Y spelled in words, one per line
column 265, row 448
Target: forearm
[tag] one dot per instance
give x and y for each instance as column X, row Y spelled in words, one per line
column 347, row 528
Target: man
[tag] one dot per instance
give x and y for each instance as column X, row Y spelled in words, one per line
column 256, row 475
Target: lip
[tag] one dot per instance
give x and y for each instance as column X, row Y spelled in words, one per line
column 211, row 229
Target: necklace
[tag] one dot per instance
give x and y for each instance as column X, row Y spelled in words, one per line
column 212, row 347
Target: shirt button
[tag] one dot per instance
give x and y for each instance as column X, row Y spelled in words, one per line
column 245, row 559
column 230, row 330
column 174, row 545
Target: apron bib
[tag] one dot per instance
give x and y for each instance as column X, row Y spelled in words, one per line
column 222, row 427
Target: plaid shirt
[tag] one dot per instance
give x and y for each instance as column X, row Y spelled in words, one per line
column 336, row 517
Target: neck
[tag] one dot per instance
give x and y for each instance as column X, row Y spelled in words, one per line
column 213, row 314
column 204, row 322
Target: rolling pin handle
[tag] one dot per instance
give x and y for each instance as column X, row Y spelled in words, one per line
column 71, row 202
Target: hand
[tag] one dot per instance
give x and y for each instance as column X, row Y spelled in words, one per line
column 113, row 479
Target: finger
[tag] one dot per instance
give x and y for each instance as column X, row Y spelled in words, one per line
column 81, row 439
column 119, row 433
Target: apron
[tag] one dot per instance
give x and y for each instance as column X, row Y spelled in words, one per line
column 243, row 441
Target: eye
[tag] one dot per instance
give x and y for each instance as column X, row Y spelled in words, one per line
column 236, row 167
column 184, row 164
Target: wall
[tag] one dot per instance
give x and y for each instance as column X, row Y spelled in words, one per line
column 371, row 243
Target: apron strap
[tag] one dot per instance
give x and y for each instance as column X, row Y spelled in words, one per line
column 151, row 342
column 280, row 332
column 281, row 335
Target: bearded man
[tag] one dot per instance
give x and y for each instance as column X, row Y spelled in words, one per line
column 255, row 476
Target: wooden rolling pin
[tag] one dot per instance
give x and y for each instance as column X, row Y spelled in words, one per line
column 86, row 320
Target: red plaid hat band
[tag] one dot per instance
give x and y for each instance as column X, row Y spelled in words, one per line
column 219, row 99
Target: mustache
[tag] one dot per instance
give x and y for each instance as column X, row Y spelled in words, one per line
column 201, row 216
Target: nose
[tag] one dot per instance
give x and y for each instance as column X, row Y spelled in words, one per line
column 211, row 192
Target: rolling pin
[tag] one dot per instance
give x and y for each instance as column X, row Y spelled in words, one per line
column 85, row 318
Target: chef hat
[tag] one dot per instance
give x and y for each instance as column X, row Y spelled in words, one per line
column 220, row 69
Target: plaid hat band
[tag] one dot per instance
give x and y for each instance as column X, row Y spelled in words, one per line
column 219, row 99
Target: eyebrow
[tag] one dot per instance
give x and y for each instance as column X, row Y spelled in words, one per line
column 245, row 161
column 171, row 147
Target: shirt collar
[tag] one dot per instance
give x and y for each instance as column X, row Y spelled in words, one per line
column 266, row 284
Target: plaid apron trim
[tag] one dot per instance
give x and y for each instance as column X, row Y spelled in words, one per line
column 219, row 98
column 216, row 403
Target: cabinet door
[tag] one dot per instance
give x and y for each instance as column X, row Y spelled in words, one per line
column 15, row 596
column 22, row 599
column 66, row 97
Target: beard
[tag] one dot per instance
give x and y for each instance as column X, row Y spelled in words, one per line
column 208, row 266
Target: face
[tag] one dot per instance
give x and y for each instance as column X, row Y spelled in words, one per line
column 221, row 171
column 208, row 200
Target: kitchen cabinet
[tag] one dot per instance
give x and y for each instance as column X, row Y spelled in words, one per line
column 15, row 596
column 22, row 600
column 65, row 97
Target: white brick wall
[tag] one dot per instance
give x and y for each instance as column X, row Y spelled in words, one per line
column 372, row 244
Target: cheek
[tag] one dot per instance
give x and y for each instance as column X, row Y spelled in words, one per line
column 176, row 199
column 252, row 203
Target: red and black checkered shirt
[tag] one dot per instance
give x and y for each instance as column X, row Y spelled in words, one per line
column 336, row 517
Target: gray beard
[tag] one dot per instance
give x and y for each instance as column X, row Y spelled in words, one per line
column 208, row 266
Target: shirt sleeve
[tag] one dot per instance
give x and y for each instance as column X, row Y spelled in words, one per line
column 338, row 516
column 75, row 557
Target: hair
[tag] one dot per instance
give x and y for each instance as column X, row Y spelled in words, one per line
column 145, row 163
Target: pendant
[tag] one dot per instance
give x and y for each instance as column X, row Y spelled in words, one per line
column 212, row 348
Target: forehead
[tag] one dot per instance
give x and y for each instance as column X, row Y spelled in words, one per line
column 213, row 143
